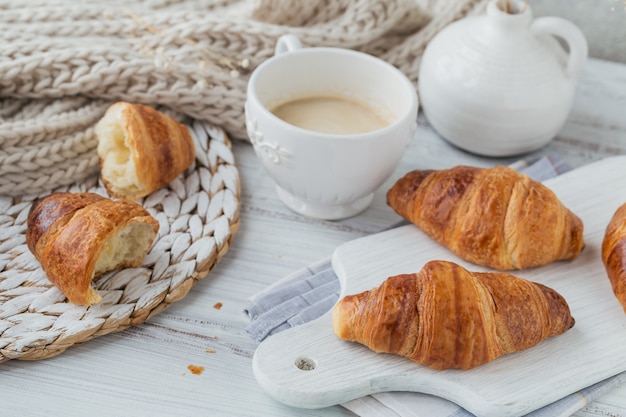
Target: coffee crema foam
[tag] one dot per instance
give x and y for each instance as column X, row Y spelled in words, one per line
column 331, row 114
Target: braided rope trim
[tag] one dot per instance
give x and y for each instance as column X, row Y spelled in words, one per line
column 198, row 214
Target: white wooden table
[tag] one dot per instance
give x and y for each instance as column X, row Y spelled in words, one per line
column 143, row 370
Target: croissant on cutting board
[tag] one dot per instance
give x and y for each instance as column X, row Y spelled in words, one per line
column 448, row 317
column 614, row 254
column 141, row 150
column 493, row 217
column 79, row 236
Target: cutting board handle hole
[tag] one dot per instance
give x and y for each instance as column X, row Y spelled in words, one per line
column 305, row 364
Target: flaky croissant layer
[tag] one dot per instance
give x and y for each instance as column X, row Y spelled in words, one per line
column 141, row 149
column 448, row 317
column 614, row 254
column 79, row 236
column 494, row 217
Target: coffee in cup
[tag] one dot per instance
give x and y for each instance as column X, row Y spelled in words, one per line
column 331, row 114
column 329, row 167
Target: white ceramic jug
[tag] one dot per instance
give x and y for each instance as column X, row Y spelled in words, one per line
column 500, row 84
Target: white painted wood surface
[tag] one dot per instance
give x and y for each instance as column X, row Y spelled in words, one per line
column 513, row 385
column 143, row 371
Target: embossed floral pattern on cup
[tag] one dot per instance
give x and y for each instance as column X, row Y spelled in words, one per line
column 271, row 151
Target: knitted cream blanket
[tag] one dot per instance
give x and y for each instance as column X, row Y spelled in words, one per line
column 62, row 63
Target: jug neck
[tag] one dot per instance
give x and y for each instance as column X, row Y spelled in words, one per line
column 516, row 19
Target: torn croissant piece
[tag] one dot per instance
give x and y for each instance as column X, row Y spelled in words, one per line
column 141, row 150
column 614, row 254
column 493, row 217
column 448, row 317
column 79, row 236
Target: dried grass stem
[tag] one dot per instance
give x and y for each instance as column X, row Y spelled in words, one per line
column 508, row 6
column 208, row 56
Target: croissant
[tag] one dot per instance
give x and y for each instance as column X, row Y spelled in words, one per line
column 79, row 236
column 493, row 217
column 614, row 253
column 448, row 317
column 141, row 150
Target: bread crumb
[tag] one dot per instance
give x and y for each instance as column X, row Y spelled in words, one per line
column 217, row 306
column 210, row 351
column 195, row 369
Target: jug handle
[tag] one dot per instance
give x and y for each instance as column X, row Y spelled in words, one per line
column 571, row 34
column 287, row 43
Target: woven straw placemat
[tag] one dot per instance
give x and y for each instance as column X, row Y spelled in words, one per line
column 198, row 215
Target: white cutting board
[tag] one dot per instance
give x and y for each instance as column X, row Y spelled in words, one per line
column 513, row 385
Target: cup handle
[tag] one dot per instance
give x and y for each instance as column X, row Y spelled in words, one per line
column 287, row 43
column 571, row 34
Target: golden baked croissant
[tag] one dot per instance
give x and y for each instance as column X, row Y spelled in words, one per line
column 493, row 217
column 448, row 317
column 614, row 253
column 141, row 150
column 79, row 236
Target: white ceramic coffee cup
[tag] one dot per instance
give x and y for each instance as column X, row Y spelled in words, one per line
column 321, row 175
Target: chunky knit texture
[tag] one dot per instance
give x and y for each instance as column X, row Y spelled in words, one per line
column 62, row 63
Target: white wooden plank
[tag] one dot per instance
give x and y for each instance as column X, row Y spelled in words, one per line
column 509, row 386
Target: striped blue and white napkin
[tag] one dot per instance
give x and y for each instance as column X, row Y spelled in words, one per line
column 312, row 291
